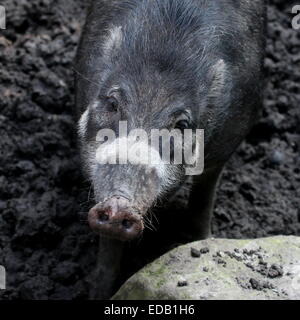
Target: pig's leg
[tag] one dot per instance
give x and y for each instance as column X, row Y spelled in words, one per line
column 107, row 270
column 201, row 204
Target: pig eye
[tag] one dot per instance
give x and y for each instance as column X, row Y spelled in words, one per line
column 112, row 104
column 182, row 124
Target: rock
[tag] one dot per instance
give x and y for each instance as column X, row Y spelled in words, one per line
column 276, row 158
column 259, row 269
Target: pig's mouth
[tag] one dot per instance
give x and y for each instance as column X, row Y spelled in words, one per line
column 114, row 219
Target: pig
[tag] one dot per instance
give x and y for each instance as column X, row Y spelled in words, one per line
column 163, row 64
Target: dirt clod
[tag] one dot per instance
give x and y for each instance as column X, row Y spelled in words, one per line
column 195, row 253
column 275, row 271
column 182, row 283
column 204, row 250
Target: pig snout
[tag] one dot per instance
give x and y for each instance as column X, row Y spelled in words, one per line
column 115, row 219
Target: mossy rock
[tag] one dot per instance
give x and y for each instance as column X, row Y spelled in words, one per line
column 263, row 269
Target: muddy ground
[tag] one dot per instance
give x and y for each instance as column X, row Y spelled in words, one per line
column 45, row 243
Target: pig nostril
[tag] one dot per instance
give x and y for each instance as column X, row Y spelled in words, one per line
column 103, row 217
column 127, row 224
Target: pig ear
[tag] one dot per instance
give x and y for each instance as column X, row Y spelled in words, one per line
column 112, row 40
column 218, row 79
